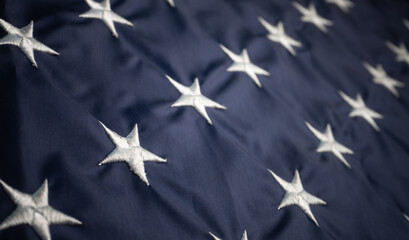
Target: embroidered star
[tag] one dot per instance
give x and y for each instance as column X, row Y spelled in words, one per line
column 129, row 150
column 359, row 109
column 244, row 237
column 406, row 23
column 242, row 63
column 329, row 144
column 380, row 77
column 277, row 34
column 35, row 211
column 296, row 195
column 192, row 96
column 171, row 2
column 310, row 15
column 103, row 11
column 214, row 236
column 344, row 5
column 23, row 38
column 401, row 52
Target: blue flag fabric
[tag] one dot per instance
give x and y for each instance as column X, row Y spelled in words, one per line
column 216, row 178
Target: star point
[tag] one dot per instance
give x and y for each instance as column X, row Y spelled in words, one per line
column 406, row 217
column 35, row 211
column 296, row 195
column 344, row 5
column 329, row 144
column 23, row 38
column 129, row 150
column 380, row 77
column 214, row 236
column 401, row 52
column 171, row 3
column 359, row 109
column 406, row 23
column 244, row 237
column 192, row 96
column 242, row 63
column 102, row 10
column 310, row 15
column 277, row 34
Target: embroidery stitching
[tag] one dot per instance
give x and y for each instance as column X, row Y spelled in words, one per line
column 35, row 211
column 277, row 34
column 192, row 96
column 380, row 77
column 359, row 109
column 310, row 15
column 329, row 144
column 344, row 5
column 401, row 51
column 296, row 195
column 242, row 63
column 103, row 12
column 129, row 150
column 23, row 38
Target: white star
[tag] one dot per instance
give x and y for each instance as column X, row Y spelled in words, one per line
column 214, row 236
column 103, row 11
column 359, row 109
column 34, row 211
column 23, row 38
column 329, row 144
column 244, row 237
column 296, row 195
column 129, row 150
column 406, row 23
column 310, row 15
column 192, row 96
column 406, row 217
column 242, row 63
column 344, row 5
column 171, row 2
column 277, row 34
column 380, row 77
column 401, row 52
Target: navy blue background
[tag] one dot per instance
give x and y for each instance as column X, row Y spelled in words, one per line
column 216, row 177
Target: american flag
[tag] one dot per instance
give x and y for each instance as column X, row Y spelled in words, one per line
column 215, row 119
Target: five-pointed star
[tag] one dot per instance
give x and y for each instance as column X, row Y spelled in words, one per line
column 129, row 150
column 406, row 217
column 329, row 144
column 277, row 34
column 310, row 15
column 401, row 52
column 296, row 195
column 244, row 237
column 192, row 96
column 23, row 38
column 380, row 77
column 171, row 2
column 103, row 11
column 242, row 63
column 35, row 211
column 344, row 5
column 359, row 109
column 406, row 23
